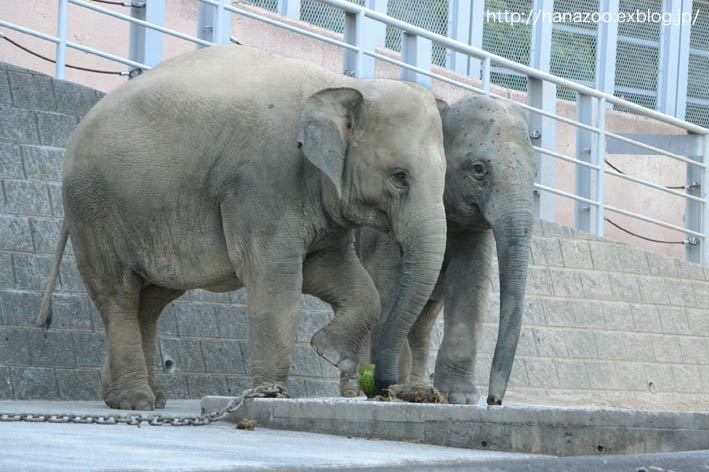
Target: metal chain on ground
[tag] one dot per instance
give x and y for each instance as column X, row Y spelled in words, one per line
column 261, row 391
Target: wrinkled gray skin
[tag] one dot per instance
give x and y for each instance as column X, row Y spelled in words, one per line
column 488, row 199
column 231, row 167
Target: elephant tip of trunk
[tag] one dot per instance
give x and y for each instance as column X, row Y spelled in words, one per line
column 494, row 400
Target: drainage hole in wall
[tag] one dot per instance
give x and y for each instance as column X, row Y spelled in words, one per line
column 483, row 444
column 599, row 448
column 169, row 365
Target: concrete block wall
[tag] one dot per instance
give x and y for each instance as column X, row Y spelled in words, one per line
column 203, row 335
column 605, row 324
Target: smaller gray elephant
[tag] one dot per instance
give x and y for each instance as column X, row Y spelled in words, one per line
column 488, row 199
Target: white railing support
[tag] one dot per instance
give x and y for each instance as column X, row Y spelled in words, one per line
column 289, row 8
column 209, row 27
column 599, row 158
column 61, row 34
column 585, row 215
column 542, row 95
column 354, row 63
column 416, row 51
column 486, row 75
column 145, row 43
column 459, row 16
column 606, row 46
column 705, row 197
column 673, row 59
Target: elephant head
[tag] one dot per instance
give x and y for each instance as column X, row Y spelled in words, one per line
column 380, row 153
column 490, row 175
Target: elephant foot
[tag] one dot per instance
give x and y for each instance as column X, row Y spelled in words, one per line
column 349, row 387
column 333, row 352
column 460, row 393
column 160, row 398
column 130, row 397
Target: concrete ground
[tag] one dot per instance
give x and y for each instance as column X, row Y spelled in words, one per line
column 221, row 447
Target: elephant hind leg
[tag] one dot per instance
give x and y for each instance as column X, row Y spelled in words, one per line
column 420, row 340
column 153, row 300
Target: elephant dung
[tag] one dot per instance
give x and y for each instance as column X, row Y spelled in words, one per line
column 413, row 393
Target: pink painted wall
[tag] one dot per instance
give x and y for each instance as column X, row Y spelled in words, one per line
column 111, row 35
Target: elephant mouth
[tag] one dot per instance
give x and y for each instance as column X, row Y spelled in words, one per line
column 468, row 217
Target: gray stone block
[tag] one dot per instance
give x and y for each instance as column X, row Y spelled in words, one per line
column 55, row 128
column 518, row 375
column 196, row 319
column 552, row 230
column 14, row 349
column 223, row 357
column 631, row 377
column 541, row 373
column 687, row 379
column 238, row 383
column 32, row 91
column 680, row 292
column 6, row 392
column 547, row 252
column 19, row 308
column 660, row 378
column 661, row 265
column 580, row 344
column 550, row 342
column 617, row 315
column 601, row 375
column 526, row 346
column 209, row 297
column 167, row 323
column 296, row 387
column 322, row 388
column 689, row 270
column 533, row 312
column 674, row 320
column 596, row 286
column 305, row 362
column 488, row 338
column 70, row 312
column 624, row 287
column 73, row 98
column 309, row 322
column 609, row 345
column 185, row 353
column 43, row 162
column 15, row 234
column 604, row 256
column 233, row 321
column 646, row 318
column 653, row 290
column 27, row 198
column 566, row 283
column 18, row 125
column 698, row 321
column 328, row 370
column 79, row 384
column 572, row 374
column 539, row 281
column 313, row 303
column 238, row 296
column 558, row 312
column 638, row 347
column 51, row 348
column 32, row 272
column 45, row 233
column 576, row 254
column 11, row 161
column 34, row 383
column 89, row 349
column 5, row 96
column 96, row 318
column 666, row 348
column 55, row 198
column 174, row 385
column 70, row 277
column 589, row 314
column 633, row 260
column 694, row 350
column 199, row 386
column 701, row 293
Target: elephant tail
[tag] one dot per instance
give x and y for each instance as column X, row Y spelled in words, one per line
column 44, row 319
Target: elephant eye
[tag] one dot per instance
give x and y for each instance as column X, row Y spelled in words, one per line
column 478, row 169
column 400, row 178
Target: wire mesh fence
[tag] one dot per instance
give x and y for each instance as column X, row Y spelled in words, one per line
column 697, row 91
column 508, row 39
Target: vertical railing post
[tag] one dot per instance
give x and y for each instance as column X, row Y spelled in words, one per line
column 214, row 23
column 705, row 196
column 542, row 95
column 600, row 159
column 606, row 46
column 486, row 75
column 585, row 177
column 695, row 211
column 459, row 15
column 416, row 51
column 146, row 43
column 289, row 8
column 477, row 23
column 366, row 34
column 61, row 34
column 673, row 61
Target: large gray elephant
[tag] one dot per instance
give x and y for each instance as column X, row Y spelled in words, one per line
column 231, row 167
column 488, row 194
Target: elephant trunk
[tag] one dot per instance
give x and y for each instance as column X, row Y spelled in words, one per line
column 513, row 235
column 423, row 239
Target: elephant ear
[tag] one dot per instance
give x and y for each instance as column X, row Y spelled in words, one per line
column 442, row 107
column 324, row 129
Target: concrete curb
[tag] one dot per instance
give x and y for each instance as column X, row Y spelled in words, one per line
column 514, row 428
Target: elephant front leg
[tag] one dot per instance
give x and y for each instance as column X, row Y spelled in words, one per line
column 420, row 340
column 337, row 277
column 466, row 287
column 274, row 295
